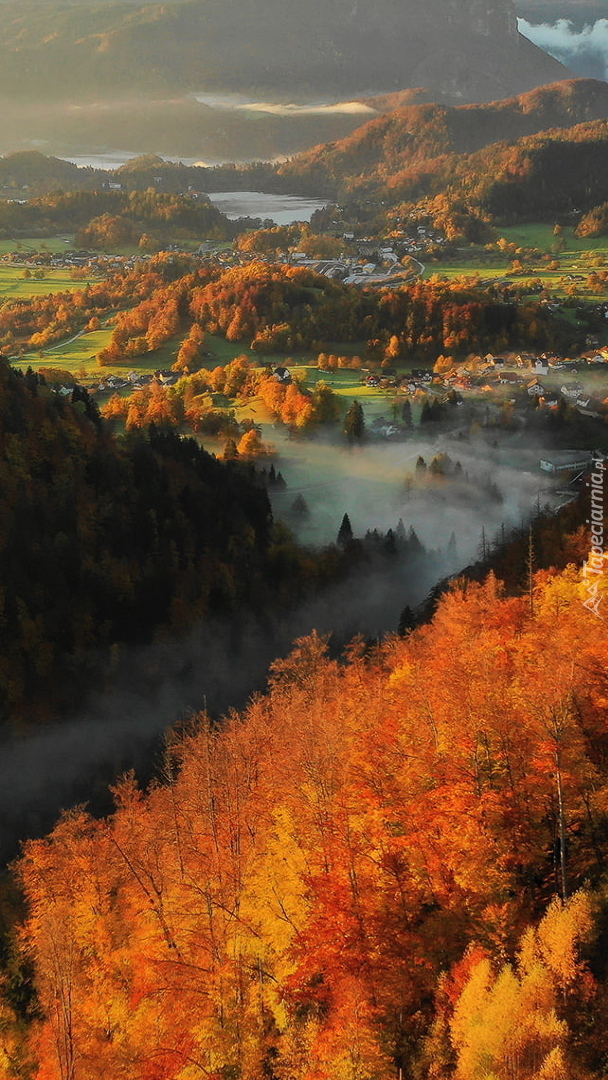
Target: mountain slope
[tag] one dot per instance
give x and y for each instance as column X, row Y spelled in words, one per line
column 461, row 51
column 419, row 133
column 309, row 894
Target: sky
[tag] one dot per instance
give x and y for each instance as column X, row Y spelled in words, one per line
column 585, row 50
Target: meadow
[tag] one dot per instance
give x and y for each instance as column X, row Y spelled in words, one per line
column 33, row 244
column 15, row 282
column 571, row 257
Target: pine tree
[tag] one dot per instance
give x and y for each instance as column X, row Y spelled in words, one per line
column 354, row 422
column 345, row 532
column 413, row 543
column 299, row 507
column 452, row 550
column 230, row 450
column 407, row 621
column 406, row 414
column 390, row 546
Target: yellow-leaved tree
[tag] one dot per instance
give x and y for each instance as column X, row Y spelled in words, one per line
column 510, row 1025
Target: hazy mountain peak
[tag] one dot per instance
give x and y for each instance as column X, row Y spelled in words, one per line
column 456, row 49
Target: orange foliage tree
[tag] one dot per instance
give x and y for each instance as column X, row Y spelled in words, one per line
column 285, row 903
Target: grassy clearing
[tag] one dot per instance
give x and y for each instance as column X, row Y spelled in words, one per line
column 14, row 285
column 80, row 354
column 32, row 244
column 539, row 235
column 75, row 356
column 574, row 263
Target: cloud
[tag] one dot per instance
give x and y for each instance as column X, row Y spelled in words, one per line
column 584, row 50
column 242, row 103
column 290, row 109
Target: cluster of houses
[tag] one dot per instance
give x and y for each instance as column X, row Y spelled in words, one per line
column 133, row 381
column 95, row 261
column 419, row 379
column 526, row 373
column 380, row 268
column 523, row 375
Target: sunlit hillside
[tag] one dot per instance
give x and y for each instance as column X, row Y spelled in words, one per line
column 333, row 884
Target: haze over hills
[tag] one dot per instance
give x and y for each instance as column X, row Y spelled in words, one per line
column 90, row 77
column 463, row 51
column 417, row 133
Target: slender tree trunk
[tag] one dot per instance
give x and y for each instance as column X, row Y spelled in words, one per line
column 562, row 827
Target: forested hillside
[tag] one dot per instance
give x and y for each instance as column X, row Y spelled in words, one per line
column 106, row 542
column 467, row 50
column 408, row 136
column 375, row 872
column 128, row 214
column 470, row 167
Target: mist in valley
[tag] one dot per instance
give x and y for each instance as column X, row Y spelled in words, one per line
column 217, row 667
column 206, row 129
column 371, row 484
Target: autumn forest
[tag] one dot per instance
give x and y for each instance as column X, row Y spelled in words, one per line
column 392, row 864
column 303, row 649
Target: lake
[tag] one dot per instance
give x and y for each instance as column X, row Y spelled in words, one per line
column 282, row 209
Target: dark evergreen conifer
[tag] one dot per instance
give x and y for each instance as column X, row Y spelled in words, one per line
column 354, row 422
column 345, row 532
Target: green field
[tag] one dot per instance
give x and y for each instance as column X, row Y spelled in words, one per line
column 540, row 235
column 14, row 284
column 577, row 260
column 33, row 244
column 81, row 353
column 75, row 356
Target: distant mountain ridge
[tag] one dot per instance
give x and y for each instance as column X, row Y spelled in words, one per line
column 549, row 11
column 416, row 134
column 459, row 50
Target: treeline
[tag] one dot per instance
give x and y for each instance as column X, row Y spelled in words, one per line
column 106, row 541
column 537, row 177
column 189, row 402
column 38, row 321
column 406, row 139
column 285, row 308
column 393, row 866
column 112, row 542
column 109, row 218
column 37, row 174
column 280, row 309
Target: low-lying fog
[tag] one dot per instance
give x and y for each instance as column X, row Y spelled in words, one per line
column 210, row 129
column 219, row 668
column 369, row 483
